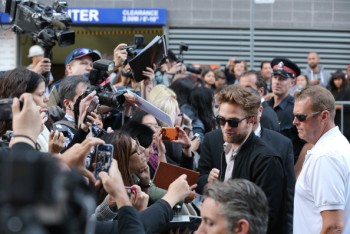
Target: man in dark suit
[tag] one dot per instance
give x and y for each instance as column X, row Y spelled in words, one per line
column 245, row 155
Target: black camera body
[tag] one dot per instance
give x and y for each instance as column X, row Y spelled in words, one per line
column 46, row 25
column 134, row 49
column 189, row 67
column 98, row 75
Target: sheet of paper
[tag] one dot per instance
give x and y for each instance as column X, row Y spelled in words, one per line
column 150, row 108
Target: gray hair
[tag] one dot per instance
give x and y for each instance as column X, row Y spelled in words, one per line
column 240, row 199
column 68, row 86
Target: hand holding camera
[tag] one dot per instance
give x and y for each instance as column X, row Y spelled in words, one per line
column 29, row 114
column 43, row 66
column 120, row 55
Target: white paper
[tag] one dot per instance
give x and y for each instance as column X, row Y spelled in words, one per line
column 150, row 108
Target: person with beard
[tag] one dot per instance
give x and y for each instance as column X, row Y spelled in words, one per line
column 244, row 155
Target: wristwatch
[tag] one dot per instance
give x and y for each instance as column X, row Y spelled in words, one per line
column 144, row 185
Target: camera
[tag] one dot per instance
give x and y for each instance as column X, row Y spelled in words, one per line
column 6, row 109
column 134, row 49
column 193, row 69
column 46, row 25
column 98, row 80
column 189, row 67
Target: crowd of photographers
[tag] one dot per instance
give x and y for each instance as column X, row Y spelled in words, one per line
column 51, row 183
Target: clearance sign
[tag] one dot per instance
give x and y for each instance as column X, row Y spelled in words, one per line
column 122, row 16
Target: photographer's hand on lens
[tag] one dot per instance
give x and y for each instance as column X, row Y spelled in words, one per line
column 139, row 200
column 26, row 121
column 76, row 156
column 114, row 185
column 56, row 142
column 120, row 54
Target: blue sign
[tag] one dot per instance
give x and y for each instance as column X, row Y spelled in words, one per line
column 4, row 18
column 122, row 16
column 130, row 16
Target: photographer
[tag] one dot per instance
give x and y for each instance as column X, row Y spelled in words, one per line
column 40, row 64
column 76, row 129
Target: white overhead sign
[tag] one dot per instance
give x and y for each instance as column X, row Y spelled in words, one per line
column 264, row 1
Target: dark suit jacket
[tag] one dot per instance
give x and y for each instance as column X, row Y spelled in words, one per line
column 269, row 118
column 211, row 157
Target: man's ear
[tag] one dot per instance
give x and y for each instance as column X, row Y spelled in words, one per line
column 66, row 104
column 241, row 227
column 252, row 120
column 292, row 81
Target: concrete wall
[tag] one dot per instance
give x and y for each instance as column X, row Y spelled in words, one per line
column 284, row 14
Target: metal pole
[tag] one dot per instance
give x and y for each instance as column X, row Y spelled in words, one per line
column 252, row 25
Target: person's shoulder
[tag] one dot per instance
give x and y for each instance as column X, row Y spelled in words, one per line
column 214, row 133
column 275, row 135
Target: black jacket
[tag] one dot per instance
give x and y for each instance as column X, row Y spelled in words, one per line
column 257, row 162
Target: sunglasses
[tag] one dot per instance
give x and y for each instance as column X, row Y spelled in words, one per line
column 137, row 148
column 303, row 117
column 233, row 123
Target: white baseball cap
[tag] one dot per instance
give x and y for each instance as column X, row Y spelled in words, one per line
column 35, row 50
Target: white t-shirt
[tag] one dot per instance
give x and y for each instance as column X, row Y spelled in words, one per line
column 323, row 183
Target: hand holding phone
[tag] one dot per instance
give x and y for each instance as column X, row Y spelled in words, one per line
column 103, row 159
column 169, row 133
column 92, row 107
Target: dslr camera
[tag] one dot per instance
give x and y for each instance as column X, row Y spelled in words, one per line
column 189, row 67
column 134, row 49
column 98, row 80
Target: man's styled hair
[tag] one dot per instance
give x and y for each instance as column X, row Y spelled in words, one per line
column 259, row 80
column 240, row 199
column 68, row 87
column 240, row 96
column 321, row 99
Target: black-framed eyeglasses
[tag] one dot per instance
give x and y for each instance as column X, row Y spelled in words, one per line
column 233, row 123
column 303, row 117
column 137, row 147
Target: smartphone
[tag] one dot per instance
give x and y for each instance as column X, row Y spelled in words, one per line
column 6, row 109
column 91, row 108
column 169, row 133
column 103, row 159
column 60, row 128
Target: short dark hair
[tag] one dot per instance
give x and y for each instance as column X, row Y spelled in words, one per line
column 240, row 199
column 259, row 80
column 68, row 86
column 263, row 62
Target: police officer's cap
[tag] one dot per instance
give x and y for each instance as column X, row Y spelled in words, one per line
column 285, row 68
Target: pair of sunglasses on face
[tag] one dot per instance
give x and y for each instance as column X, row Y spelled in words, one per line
column 303, row 117
column 233, row 123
